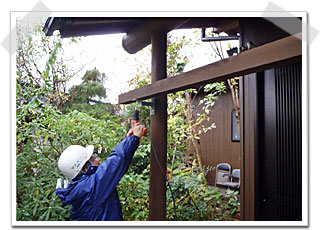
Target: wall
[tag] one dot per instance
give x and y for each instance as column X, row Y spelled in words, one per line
column 216, row 145
column 271, row 128
column 278, row 162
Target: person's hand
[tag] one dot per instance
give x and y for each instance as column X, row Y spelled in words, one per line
column 130, row 133
column 137, row 130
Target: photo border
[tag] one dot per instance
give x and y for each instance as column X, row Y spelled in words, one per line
column 305, row 116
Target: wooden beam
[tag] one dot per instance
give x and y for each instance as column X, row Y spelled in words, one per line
column 140, row 36
column 157, row 193
column 232, row 25
column 283, row 51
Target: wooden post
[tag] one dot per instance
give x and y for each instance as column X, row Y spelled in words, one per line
column 248, row 120
column 157, row 191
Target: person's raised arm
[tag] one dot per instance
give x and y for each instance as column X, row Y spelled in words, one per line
column 117, row 164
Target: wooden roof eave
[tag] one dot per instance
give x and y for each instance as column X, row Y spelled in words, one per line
column 138, row 30
column 140, row 36
column 283, row 51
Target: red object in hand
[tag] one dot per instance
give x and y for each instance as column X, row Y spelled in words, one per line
column 135, row 120
column 144, row 130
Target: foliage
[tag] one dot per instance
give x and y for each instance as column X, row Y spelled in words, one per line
column 177, row 147
column 141, row 159
column 35, row 86
column 212, row 91
column 133, row 192
column 176, row 61
column 37, row 159
column 36, row 164
column 87, row 96
column 91, row 86
column 36, row 178
column 41, row 67
column 193, row 198
column 43, row 132
column 189, row 193
column 231, row 206
column 77, row 128
column 98, row 110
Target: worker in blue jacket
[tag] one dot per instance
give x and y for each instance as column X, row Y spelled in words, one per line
column 92, row 192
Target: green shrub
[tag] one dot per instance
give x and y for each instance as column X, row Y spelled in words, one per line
column 195, row 201
column 42, row 135
column 134, row 195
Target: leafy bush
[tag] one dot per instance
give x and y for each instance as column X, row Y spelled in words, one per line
column 134, row 187
column 141, row 159
column 190, row 196
column 87, row 97
column 36, row 164
column 42, row 134
column 36, row 179
column 77, row 128
column 134, row 195
column 230, row 206
column 195, row 201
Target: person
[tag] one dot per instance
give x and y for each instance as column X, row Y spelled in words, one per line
column 92, row 191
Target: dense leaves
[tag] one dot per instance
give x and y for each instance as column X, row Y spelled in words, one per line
column 195, row 201
column 38, row 152
column 134, row 195
column 43, row 131
column 90, row 95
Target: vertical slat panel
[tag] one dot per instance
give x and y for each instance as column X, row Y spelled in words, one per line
column 299, row 166
column 278, row 159
column 279, row 99
column 288, row 98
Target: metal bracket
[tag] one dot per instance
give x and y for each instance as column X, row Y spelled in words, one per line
column 152, row 105
column 220, row 38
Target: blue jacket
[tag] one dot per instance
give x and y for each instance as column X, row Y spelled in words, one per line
column 93, row 196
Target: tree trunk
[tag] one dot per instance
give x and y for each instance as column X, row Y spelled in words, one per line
column 235, row 98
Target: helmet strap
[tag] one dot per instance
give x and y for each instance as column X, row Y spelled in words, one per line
column 82, row 172
column 91, row 163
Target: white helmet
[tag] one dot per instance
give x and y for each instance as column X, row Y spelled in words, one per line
column 73, row 159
